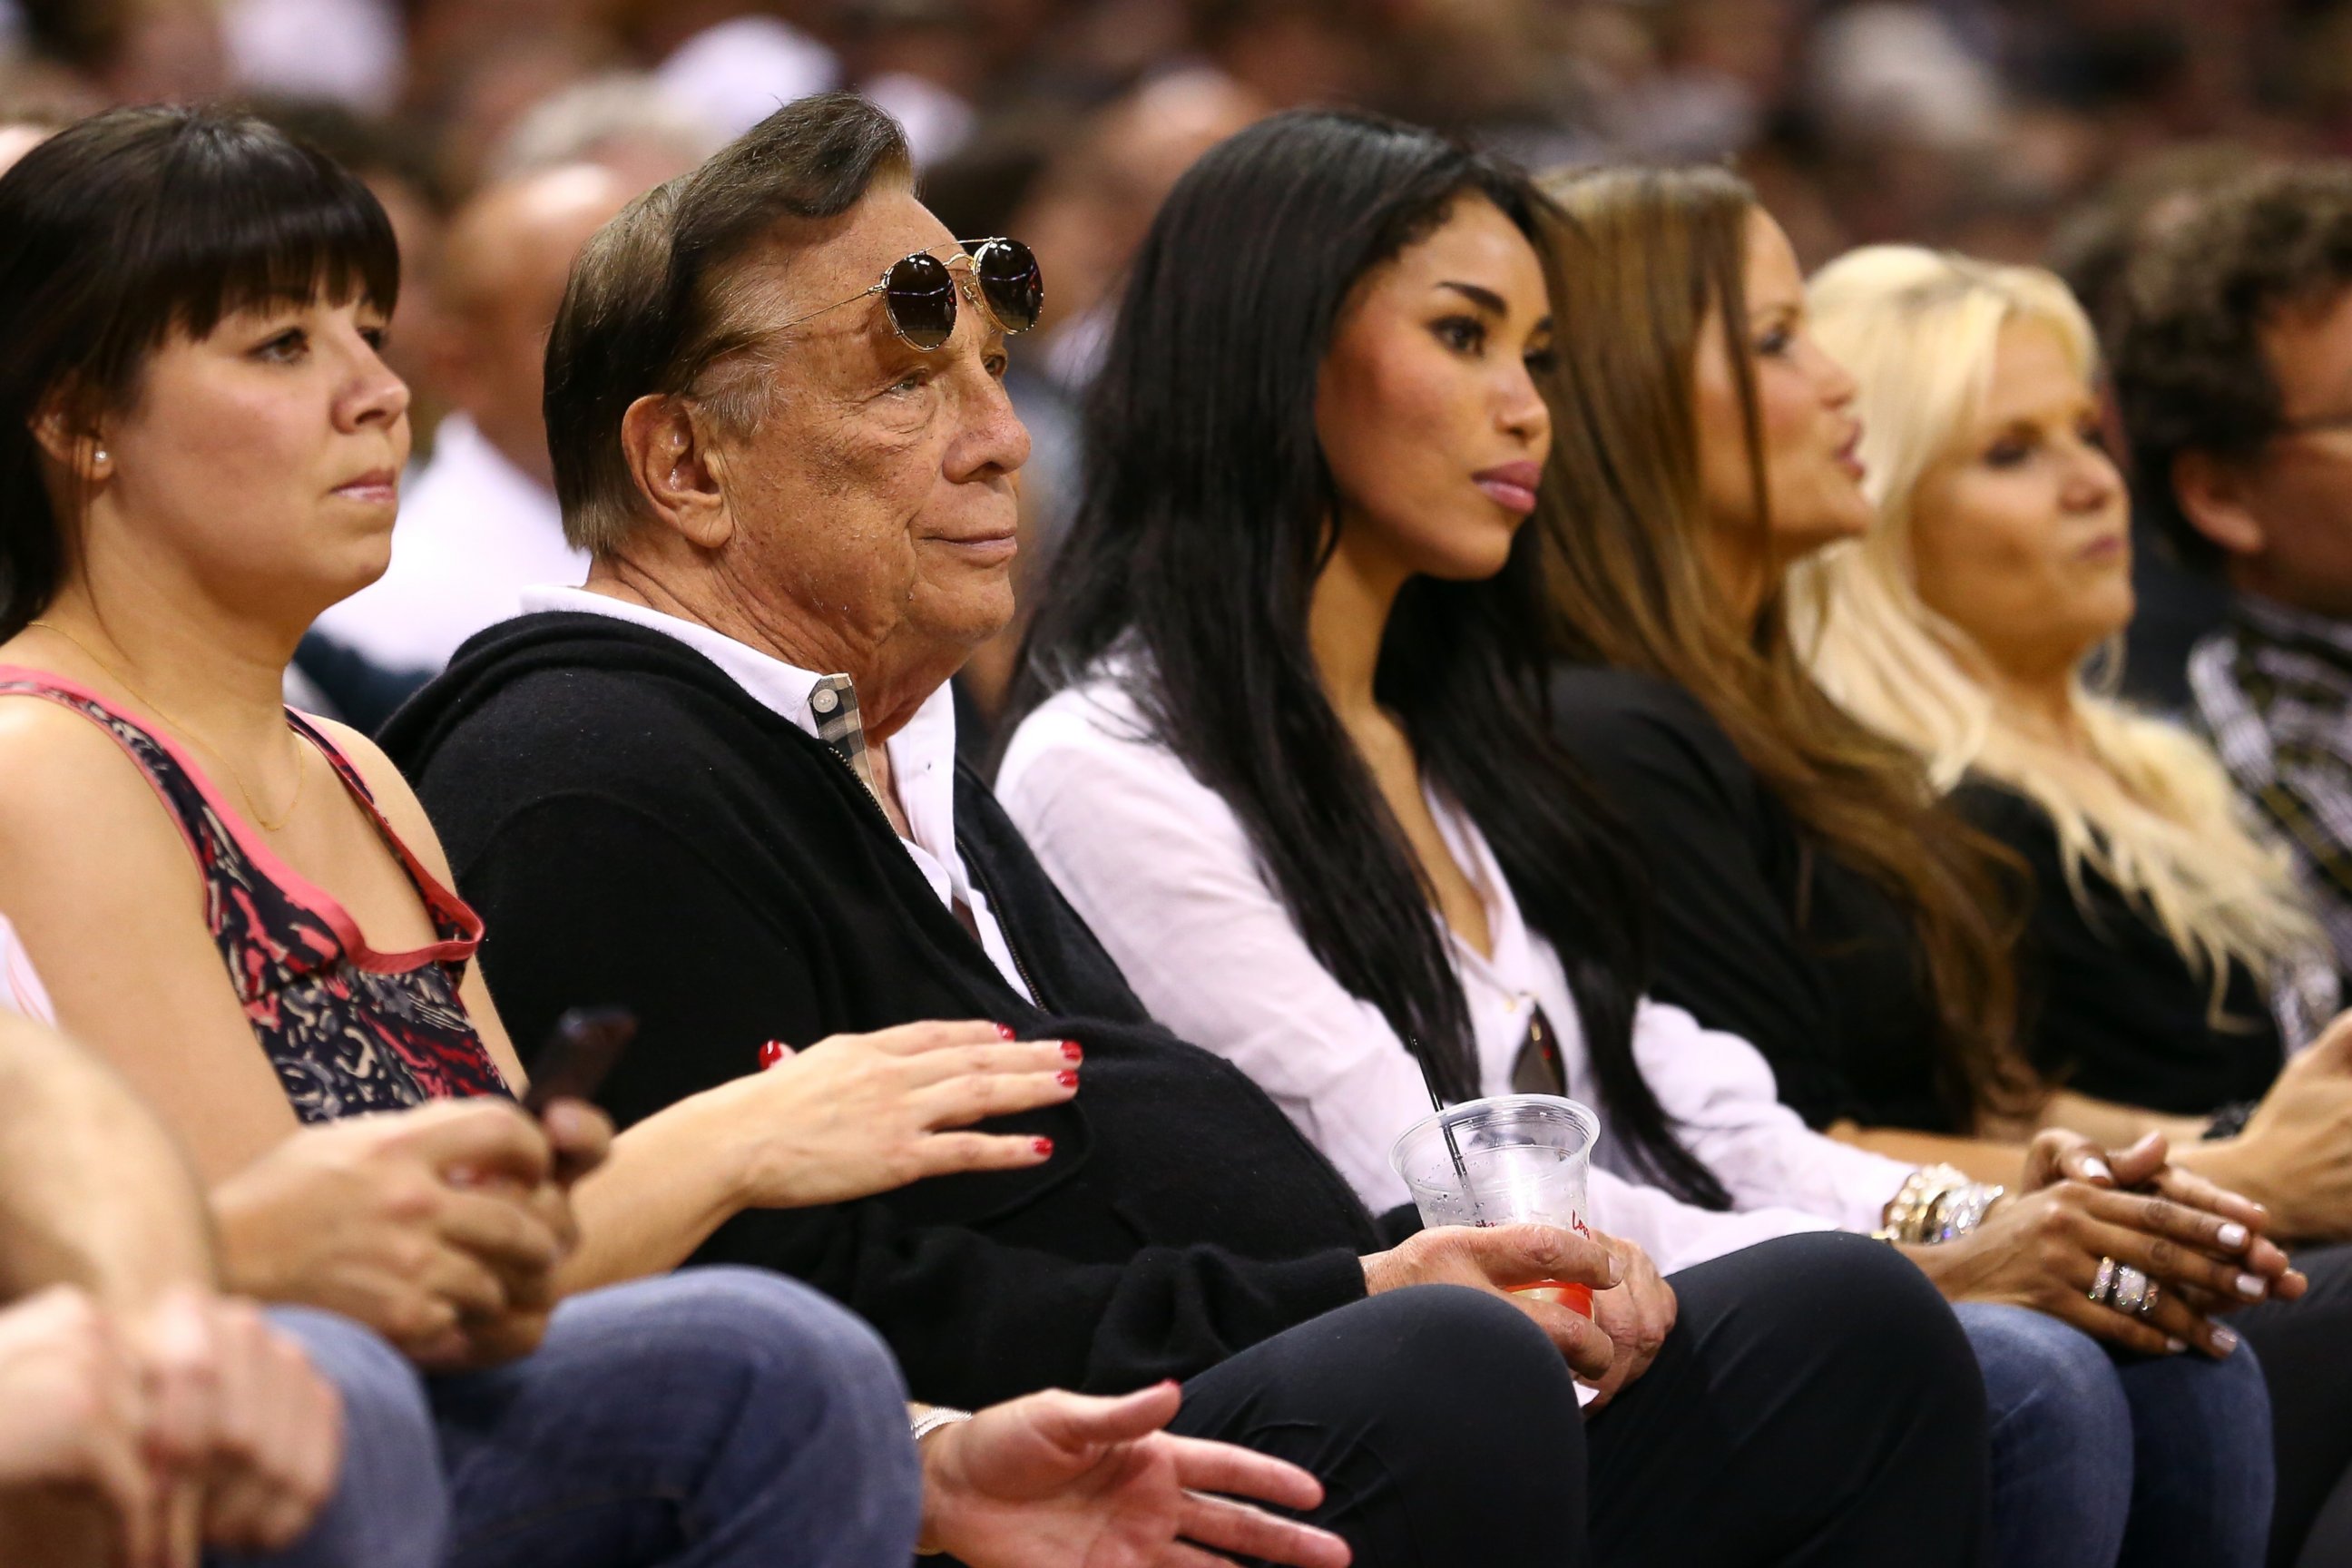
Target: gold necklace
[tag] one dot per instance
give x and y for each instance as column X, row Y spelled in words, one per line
column 301, row 774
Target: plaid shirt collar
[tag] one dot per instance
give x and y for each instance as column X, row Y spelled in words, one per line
column 832, row 708
column 2273, row 691
column 2268, row 623
column 2273, row 683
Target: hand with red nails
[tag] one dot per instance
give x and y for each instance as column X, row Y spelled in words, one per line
column 859, row 1114
column 1062, row 1480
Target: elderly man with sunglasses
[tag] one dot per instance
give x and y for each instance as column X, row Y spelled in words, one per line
column 717, row 786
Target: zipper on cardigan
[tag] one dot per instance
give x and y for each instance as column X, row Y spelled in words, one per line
column 1036, row 995
column 866, row 793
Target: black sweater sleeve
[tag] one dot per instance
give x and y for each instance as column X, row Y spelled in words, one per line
column 712, row 970
column 1728, row 947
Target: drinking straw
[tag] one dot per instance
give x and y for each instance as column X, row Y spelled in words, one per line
column 1461, row 1170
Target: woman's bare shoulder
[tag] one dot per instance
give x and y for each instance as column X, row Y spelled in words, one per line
column 60, row 772
column 80, row 827
column 393, row 795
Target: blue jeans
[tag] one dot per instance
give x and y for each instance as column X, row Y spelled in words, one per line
column 716, row 1418
column 2109, row 1457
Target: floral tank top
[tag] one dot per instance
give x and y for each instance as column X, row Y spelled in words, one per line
column 348, row 1029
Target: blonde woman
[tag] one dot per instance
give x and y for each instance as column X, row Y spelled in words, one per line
column 2169, row 963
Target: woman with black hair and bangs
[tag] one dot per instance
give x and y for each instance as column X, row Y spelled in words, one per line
column 1284, row 738
column 246, row 911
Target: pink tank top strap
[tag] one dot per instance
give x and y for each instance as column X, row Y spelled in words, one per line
column 348, row 1029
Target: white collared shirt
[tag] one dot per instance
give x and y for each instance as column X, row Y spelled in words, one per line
column 473, row 531
column 1158, row 865
column 922, row 753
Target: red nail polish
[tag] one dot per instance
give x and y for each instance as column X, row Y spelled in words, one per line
column 772, row 1053
column 1066, row 1078
column 1045, row 1147
column 1072, row 1049
column 1004, row 1031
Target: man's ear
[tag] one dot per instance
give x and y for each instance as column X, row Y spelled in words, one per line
column 668, row 456
column 2211, row 494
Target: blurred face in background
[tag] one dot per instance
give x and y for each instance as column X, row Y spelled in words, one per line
column 417, row 228
column 1095, row 201
column 2020, row 533
column 1806, row 427
column 164, row 50
column 504, row 264
column 2292, row 528
column 1428, row 409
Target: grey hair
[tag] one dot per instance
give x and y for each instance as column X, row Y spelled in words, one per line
column 664, row 300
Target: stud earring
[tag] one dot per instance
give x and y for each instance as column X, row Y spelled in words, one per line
column 99, row 456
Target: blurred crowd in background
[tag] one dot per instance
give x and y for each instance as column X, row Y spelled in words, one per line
column 2054, row 130
column 1977, row 123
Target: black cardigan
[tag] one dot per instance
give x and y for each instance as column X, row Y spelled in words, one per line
column 637, row 830
column 2111, row 1008
column 1760, row 934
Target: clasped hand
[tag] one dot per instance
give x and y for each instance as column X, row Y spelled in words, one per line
column 439, row 1227
column 192, row 1421
column 2202, row 1244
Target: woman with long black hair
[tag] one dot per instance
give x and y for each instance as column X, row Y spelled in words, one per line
column 1285, row 743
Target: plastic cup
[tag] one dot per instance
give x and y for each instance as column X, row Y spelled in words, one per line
column 1512, row 1158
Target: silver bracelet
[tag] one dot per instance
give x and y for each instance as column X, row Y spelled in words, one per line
column 1960, row 1212
column 922, row 1427
column 937, row 1416
column 1936, row 1204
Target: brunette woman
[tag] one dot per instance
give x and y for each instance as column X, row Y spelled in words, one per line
column 246, row 911
column 1811, row 898
column 1286, row 747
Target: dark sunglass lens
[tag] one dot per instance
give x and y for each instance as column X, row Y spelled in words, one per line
column 1011, row 283
column 920, row 294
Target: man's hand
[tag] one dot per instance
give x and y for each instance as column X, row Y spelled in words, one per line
column 2296, row 1153
column 196, row 1421
column 1499, row 1260
column 236, row 1415
column 1061, row 1480
column 1637, row 1316
column 73, row 1416
column 439, row 1227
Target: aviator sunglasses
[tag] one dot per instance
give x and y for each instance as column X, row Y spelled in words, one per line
column 918, row 291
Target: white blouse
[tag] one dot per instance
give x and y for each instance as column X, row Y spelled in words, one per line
column 1163, row 872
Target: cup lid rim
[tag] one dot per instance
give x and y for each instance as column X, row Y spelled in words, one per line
column 1559, row 1105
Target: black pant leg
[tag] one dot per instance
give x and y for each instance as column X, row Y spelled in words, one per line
column 2306, row 1352
column 1441, row 1423
column 1816, row 1405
